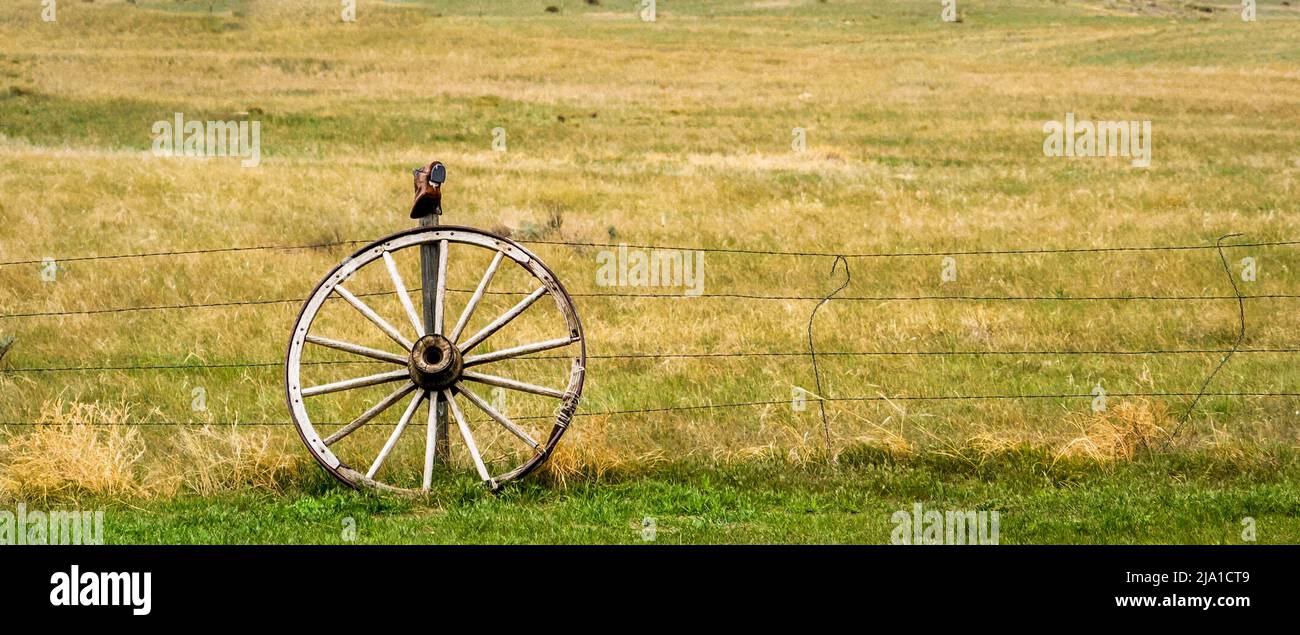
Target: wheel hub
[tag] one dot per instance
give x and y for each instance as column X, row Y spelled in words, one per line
column 435, row 363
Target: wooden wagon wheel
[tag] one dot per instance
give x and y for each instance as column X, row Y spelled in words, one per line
column 433, row 363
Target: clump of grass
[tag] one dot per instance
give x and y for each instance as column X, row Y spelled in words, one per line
column 549, row 228
column 76, row 449
column 1121, row 433
column 211, row 460
column 873, row 451
column 588, row 454
column 794, row 450
column 91, row 449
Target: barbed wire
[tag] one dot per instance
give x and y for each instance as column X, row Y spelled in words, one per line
column 720, row 250
column 184, row 252
column 698, row 407
column 704, row 355
column 713, row 296
column 917, row 254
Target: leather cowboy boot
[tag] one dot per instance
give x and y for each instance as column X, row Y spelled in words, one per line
column 428, row 189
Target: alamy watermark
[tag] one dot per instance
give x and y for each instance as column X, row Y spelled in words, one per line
column 35, row 527
column 497, row 399
column 648, row 10
column 1098, row 398
column 49, row 270
column 798, row 399
column 92, row 588
column 194, row 138
column 635, row 267
column 948, row 10
column 498, row 139
column 1249, row 269
column 1099, row 139
column 931, row 527
column 649, row 529
column 199, row 399
column 947, row 270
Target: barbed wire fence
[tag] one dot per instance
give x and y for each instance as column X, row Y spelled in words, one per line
column 811, row 353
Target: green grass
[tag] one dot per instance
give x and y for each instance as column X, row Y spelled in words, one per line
column 1199, row 498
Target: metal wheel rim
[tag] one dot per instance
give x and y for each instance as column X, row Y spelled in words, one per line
column 446, row 235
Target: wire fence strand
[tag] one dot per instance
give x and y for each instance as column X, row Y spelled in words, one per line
column 225, row 304
column 678, row 355
column 722, row 406
column 1021, row 251
column 276, row 364
column 716, row 296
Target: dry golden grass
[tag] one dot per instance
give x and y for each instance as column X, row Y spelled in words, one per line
column 92, row 449
column 76, row 449
column 1122, row 432
column 210, row 460
column 587, row 453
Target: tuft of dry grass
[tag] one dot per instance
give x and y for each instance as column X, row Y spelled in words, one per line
column 76, row 449
column 80, row 449
column 1121, row 432
column 210, row 460
column 588, row 454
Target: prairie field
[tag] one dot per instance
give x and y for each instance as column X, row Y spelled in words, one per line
column 1101, row 351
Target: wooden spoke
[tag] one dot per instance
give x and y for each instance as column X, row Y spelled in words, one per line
column 440, row 298
column 373, row 317
column 356, row 349
column 469, row 438
column 431, row 440
column 474, row 299
column 497, row 416
column 516, row 351
column 357, row 382
column 403, row 295
column 503, row 320
column 512, row 384
column 371, row 413
column 397, row 433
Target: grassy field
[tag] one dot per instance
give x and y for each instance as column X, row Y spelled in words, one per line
column 920, row 136
column 1184, row 499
